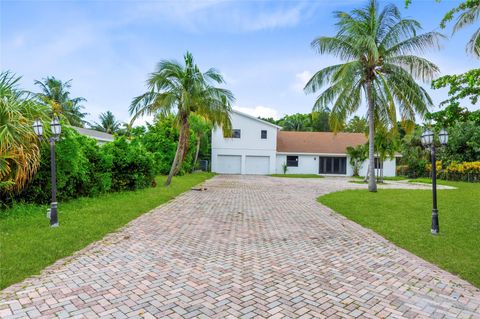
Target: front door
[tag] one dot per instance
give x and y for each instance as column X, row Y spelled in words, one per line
column 332, row 165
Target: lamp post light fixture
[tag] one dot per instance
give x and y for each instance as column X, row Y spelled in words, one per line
column 428, row 141
column 56, row 129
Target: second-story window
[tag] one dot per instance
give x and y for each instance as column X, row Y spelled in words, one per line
column 236, row 133
column 264, row 134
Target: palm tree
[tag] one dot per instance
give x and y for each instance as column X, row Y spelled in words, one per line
column 108, row 123
column 378, row 49
column 19, row 146
column 56, row 95
column 187, row 90
column 470, row 13
column 201, row 128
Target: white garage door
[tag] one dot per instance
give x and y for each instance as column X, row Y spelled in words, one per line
column 257, row 164
column 229, row 164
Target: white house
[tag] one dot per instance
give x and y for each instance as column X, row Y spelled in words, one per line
column 259, row 147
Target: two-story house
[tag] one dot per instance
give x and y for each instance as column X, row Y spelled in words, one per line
column 259, row 147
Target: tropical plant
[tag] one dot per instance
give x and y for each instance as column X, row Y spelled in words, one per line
column 356, row 156
column 201, row 128
column 296, row 122
column 284, row 168
column 19, row 146
column 378, row 48
column 56, row 95
column 108, row 123
column 386, row 145
column 357, row 124
column 469, row 13
column 187, row 90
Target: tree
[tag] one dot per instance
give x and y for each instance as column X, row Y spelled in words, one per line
column 469, row 13
column 386, row 144
column 19, row 146
column 201, row 128
column 357, row 155
column 378, row 49
column 320, row 120
column 357, row 125
column 55, row 94
column 108, row 123
column 296, row 122
column 187, row 90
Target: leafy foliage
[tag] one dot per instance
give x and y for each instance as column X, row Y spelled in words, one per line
column 56, row 95
column 82, row 169
column 19, row 146
column 108, row 123
column 356, row 156
column 378, row 49
column 461, row 86
column 184, row 88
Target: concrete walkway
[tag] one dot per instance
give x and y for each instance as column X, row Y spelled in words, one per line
column 248, row 247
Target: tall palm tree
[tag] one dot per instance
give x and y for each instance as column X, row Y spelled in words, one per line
column 19, row 146
column 185, row 89
column 378, row 49
column 108, row 123
column 56, row 95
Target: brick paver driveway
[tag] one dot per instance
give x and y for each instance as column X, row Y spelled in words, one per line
column 247, row 247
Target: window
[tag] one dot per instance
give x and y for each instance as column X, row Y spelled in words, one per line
column 236, row 133
column 264, row 134
column 292, row 161
column 377, row 163
column 332, row 165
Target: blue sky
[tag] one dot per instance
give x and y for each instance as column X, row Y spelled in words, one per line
column 262, row 47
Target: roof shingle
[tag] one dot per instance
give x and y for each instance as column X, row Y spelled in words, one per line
column 317, row 142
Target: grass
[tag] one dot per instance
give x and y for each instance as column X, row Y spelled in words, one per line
column 404, row 218
column 297, row 175
column 387, row 178
column 28, row 244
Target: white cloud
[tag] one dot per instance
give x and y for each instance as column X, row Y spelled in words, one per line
column 198, row 16
column 300, row 80
column 259, row 110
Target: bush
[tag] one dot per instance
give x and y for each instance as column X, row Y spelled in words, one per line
column 161, row 140
column 82, row 169
column 467, row 172
column 133, row 166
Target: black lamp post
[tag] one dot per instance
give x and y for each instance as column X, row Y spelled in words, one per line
column 56, row 129
column 429, row 142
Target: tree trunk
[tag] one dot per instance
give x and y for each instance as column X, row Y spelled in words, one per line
column 372, row 184
column 181, row 147
column 196, row 152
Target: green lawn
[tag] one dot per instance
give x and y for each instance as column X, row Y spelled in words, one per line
column 297, row 175
column 404, row 217
column 28, row 244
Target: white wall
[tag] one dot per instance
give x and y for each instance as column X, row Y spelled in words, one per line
column 250, row 142
column 308, row 164
column 389, row 168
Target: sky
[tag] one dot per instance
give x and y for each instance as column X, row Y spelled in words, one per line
column 108, row 48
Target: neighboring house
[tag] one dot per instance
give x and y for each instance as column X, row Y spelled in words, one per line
column 259, row 147
column 101, row 137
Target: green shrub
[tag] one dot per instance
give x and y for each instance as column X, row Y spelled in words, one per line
column 133, row 166
column 82, row 169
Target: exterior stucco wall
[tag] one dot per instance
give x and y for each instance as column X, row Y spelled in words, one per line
column 250, row 142
column 308, row 164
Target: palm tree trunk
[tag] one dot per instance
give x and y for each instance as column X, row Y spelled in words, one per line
column 197, row 151
column 372, row 184
column 179, row 154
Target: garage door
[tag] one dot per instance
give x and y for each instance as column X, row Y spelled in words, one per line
column 229, row 164
column 257, row 164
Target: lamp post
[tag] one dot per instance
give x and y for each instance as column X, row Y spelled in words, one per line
column 56, row 129
column 428, row 141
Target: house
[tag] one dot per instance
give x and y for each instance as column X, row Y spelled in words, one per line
column 259, row 147
column 101, row 137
